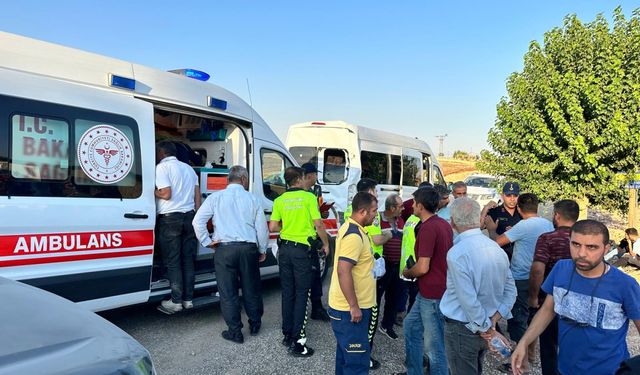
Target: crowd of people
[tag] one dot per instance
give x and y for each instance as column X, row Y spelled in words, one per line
column 445, row 269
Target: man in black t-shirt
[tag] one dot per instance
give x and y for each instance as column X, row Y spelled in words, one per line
column 499, row 219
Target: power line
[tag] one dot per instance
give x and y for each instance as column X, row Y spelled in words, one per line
column 441, row 140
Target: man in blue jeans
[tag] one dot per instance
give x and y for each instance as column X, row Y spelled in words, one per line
column 424, row 325
column 352, row 293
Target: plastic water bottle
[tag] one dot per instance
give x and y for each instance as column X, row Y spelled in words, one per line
column 501, row 347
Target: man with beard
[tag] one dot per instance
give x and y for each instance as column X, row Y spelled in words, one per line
column 352, row 292
column 594, row 303
column 550, row 248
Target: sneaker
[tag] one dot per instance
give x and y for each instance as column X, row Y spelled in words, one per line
column 169, row 307
column 373, row 364
column 389, row 332
column 320, row 314
column 187, row 305
column 254, row 330
column 300, row 350
column 234, row 337
column 287, row 341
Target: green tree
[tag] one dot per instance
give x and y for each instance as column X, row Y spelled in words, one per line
column 571, row 120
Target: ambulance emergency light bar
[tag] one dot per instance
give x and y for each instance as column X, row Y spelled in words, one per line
column 192, row 73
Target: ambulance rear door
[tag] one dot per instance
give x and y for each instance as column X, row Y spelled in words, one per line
column 77, row 205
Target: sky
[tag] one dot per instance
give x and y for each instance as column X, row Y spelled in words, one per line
column 418, row 68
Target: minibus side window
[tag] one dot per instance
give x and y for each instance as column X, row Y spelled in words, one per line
column 375, row 166
column 396, row 169
column 410, row 171
column 274, row 164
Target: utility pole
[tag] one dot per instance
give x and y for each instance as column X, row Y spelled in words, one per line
column 441, row 140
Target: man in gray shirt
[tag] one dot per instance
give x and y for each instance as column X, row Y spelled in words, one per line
column 480, row 289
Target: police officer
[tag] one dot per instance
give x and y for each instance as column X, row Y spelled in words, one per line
column 499, row 219
column 296, row 216
column 318, row 312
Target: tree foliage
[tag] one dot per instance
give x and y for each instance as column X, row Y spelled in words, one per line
column 571, row 120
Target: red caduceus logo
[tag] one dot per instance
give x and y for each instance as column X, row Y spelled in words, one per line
column 106, row 153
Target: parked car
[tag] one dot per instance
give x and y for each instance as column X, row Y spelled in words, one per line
column 43, row 333
column 482, row 188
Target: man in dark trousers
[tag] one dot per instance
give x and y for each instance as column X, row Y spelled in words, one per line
column 240, row 241
column 296, row 216
column 318, row 312
column 550, row 248
column 177, row 197
column 352, row 293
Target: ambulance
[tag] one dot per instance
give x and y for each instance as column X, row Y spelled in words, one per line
column 77, row 168
column 344, row 153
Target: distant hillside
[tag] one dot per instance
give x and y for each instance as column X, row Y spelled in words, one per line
column 456, row 170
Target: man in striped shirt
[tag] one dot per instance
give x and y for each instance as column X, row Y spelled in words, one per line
column 390, row 284
column 550, row 248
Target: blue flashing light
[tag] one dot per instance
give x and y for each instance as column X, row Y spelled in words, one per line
column 217, row 103
column 122, row 82
column 192, row 73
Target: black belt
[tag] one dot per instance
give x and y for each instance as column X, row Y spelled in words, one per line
column 449, row 320
column 175, row 213
column 294, row 243
column 231, row 243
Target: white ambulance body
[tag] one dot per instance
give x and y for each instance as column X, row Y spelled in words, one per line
column 77, row 167
column 345, row 153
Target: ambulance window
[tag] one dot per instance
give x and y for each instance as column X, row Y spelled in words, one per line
column 410, row 171
column 273, row 165
column 39, row 148
column 69, row 152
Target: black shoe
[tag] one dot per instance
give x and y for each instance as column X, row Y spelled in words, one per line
column 235, row 337
column 389, row 332
column 287, row 341
column 254, row 330
column 299, row 350
column 505, row 368
column 320, row 314
column 373, row 364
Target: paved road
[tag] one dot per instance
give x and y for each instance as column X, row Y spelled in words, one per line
column 190, row 342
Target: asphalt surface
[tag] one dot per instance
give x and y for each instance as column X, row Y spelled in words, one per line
column 190, row 342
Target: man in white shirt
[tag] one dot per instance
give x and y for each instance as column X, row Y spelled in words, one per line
column 240, row 238
column 177, row 197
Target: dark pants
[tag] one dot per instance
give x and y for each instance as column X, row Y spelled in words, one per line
column 549, row 348
column 465, row 350
column 295, row 278
column 179, row 246
column 517, row 325
column 237, row 266
column 316, row 283
column 389, row 286
column 408, row 291
column 353, row 348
